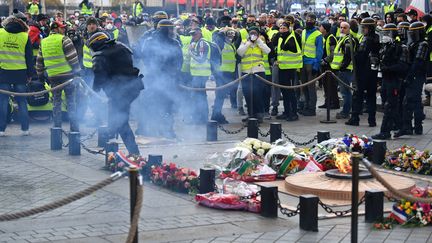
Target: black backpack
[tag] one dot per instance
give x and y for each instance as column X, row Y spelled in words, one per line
column 38, row 100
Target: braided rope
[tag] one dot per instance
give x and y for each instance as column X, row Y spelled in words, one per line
column 391, row 189
column 87, row 87
column 60, row 202
column 135, row 218
column 341, row 81
column 294, row 86
column 7, row 92
column 215, row 88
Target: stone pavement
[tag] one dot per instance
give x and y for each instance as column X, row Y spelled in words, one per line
column 32, row 175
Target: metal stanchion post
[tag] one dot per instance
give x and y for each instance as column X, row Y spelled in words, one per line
column 269, row 204
column 275, row 131
column 309, row 213
column 322, row 136
column 379, row 148
column 355, row 160
column 56, row 138
column 252, row 130
column 374, row 205
column 74, row 143
column 327, row 121
column 133, row 184
column 102, row 136
column 212, row 127
column 207, row 180
column 110, row 147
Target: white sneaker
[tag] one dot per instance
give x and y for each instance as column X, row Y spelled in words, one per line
column 2, row 134
column 25, row 133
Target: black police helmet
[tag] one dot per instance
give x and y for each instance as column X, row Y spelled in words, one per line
column 98, row 41
column 403, row 30
column 158, row 16
column 390, row 28
column 368, row 21
column 417, row 31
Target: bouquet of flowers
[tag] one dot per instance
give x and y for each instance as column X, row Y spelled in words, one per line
column 355, row 143
column 255, row 146
column 175, row 178
column 118, row 161
column 409, row 159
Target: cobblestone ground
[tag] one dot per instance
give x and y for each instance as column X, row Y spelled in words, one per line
column 32, row 175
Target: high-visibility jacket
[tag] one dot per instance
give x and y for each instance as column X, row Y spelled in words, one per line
column 53, row 55
column 308, row 45
column 33, row 9
column 12, row 50
column 185, row 40
column 116, row 34
column 85, row 10
column 338, row 55
column 49, row 106
column 253, row 57
column 87, row 57
column 243, row 34
column 337, row 32
column 389, row 8
column 427, row 32
column 327, row 43
column 228, row 58
column 137, row 9
column 288, row 59
column 201, row 69
column 271, row 32
column 208, row 34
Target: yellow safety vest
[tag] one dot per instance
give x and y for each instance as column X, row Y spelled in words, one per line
column 33, row 9
column 338, row 56
column 85, row 10
column 54, row 58
column 207, row 34
column 201, row 69
column 12, row 50
column 327, row 43
column 271, row 32
column 427, row 32
column 137, row 9
column 253, row 57
column 308, row 45
column 288, row 59
column 243, row 34
column 228, row 58
column 389, row 8
column 185, row 40
column 87, row 57
column 338, row 32
column 116, row 34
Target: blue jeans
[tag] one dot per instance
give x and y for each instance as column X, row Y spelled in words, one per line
column 199, row 101
column 253, row 90
column 221, row 79
column 22, row 106
column 347, row 77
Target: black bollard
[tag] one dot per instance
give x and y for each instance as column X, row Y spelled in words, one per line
column 56, row 138
column 154, row 159
column 374, row 205
column 110, row 147
column 275, row 131
column 355, row 161
column 102, row 136
column 322, row 136
column 269, row 201
column 379, row 149
column 212, row 129
column 133, row 185
column 74, row 143
column 207, row 180
column 252, row 129
column 309, row 213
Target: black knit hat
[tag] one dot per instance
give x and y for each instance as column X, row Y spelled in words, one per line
column 92, row 20
column 41, row 17
column 326, row 26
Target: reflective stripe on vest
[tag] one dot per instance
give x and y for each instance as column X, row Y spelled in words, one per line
column 266, row 64
column 243, row 34
column 207, row 34
column 116, row 34
column 271, row 32
column 253, row 57
column 338, row 56
column 327, row 43
column 228, row 58
column 185, row 40
column 201, row 69
column 87, row 57
column 54, row 58
column 288, row 59
column 137, row 9
column 308, row 45
column 12, row 46
column 34, row 9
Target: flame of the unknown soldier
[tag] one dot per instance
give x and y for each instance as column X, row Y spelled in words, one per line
column 342, row 161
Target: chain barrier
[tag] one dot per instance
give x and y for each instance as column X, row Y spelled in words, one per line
column 286, row 211
column 251, row 196
column 294, row 86
column 264, row 134
column 299, row 143
column 232, row 132
column 340, row 213
column 215, row 88
column 60, row 86
column 90, row 136
column 64, row 201
column 100, row 151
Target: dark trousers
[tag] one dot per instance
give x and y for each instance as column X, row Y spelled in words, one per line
column 412, row 104
column 310, row 94
column 330, row 90
column 71, row 105
column 267, row 94
column 22, row 106
column 366, row 88
column 221, row 79
column 391, row 118
column 253, row 93
column 287, row 78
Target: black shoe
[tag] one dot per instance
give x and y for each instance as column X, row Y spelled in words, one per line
column 383, row 136
column 372, row 124
column 309, row 113
column 220, row 119
column 334, row 107
column 241, row 111
column 274, row 111
column 403, row 132
column 352, row 122
column 342, row 115
column 323, row 106
column 292, row 118
column 283, row 116
column 418, row 130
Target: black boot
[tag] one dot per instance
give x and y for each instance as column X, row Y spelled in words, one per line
column 219, row 118
column 418, row 129
column 383, row 136
column 274, row 111
column 403, row 132
column 353, row 122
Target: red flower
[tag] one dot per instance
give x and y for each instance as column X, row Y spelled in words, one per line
column 172, row 166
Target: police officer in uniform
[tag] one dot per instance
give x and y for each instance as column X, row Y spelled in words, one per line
column 415, row 79
column 366, row 64
column 120, row 81
column 393, row 58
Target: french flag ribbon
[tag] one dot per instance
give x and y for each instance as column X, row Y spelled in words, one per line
column 398, row 214
column 120, row 156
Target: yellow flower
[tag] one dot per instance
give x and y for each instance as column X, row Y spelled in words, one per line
column 407, row 205
column 408, row 211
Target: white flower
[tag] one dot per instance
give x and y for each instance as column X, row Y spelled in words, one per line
column 260, row 152
column 266, row 146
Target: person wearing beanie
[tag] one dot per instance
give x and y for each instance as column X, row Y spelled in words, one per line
column 20, row 15
column 209, row 29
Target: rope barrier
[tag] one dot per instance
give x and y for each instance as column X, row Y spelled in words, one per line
column 341, row 81
column 404, row 174
column 88, row 88
column 391, row 189
column 134, row 224
column 215, row 88
column 7, row 92
column 294, row 86
column 63, row 201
